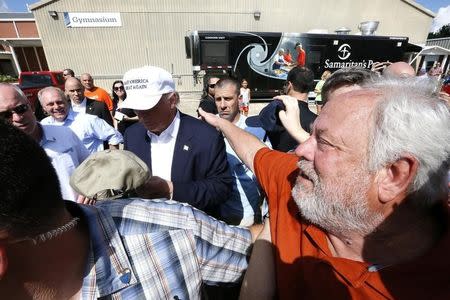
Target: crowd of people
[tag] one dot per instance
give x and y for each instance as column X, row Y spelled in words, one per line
column 350, row 203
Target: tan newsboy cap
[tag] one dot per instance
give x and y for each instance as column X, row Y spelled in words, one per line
column 108, row 174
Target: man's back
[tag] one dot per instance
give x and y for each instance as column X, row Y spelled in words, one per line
column 159, row 250
column 281, row 139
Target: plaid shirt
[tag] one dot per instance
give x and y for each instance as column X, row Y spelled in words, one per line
column 152, row 249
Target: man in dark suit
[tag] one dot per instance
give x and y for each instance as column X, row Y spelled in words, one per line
column 75, row 91
column 187, row 157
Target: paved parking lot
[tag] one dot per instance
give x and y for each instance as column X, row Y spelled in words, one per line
column 189, row 103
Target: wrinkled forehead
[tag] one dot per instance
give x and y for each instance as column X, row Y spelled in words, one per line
column 52, row 95
column 348, row 112
column 10, row 94
column 353, row 99
column 227, row 89
column 73, row 83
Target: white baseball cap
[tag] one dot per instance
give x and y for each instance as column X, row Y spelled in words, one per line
column 145, row 86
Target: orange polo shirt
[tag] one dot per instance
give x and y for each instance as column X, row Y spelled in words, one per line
column 305, row 267
column 99, row 94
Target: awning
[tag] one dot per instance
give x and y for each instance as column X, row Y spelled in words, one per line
column 22, row 42
column 432, row 50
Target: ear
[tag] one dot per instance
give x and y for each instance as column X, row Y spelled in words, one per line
column 3, row 261
column 394, row 179
column 174, row 100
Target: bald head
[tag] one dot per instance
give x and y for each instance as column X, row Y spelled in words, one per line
column 399, row 69
column 8, row 90
column 74, row 90
column 17, row 110
column 87, row 81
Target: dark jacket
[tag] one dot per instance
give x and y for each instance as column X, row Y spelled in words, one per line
column 279, row 137
column 200, row 172
column 99, row 109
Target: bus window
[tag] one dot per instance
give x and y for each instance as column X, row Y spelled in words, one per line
column 215, row 53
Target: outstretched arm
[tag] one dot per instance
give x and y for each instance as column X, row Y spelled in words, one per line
column 244, row 144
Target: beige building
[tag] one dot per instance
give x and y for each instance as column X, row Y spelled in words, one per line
column 138, row 32
column 20, row 45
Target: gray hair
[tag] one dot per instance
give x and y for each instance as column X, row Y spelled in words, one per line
column 408, row 119
column 48, row 89
column 345, row 77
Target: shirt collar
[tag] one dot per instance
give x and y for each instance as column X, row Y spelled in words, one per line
column 354, row 272
column 71, row 115
column 45, row 136
column 169, row 132
column 241, row 121
column 82, row 103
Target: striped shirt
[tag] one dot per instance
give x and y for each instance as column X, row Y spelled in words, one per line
column 153, row 249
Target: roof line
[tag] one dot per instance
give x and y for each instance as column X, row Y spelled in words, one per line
column 40, row 4
column 410, row 2
column 420, row 7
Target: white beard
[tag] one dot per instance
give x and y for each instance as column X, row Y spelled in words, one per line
column 339, row 206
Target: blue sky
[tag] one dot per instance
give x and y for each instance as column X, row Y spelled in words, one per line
column 440, row 7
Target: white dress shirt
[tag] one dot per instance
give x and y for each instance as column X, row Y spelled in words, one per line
column 91, row 130
column 66, row 152
column 79, row 108
column 162, row 148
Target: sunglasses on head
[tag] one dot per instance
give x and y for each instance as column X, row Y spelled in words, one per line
column 19, row 109
column 212, row 85
column 116, row 88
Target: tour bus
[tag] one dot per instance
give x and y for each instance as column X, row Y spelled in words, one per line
column 252, row 55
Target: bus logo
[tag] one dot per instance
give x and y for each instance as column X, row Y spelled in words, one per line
column 344, row 51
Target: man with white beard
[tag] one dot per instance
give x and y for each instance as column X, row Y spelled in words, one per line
column 359, row 212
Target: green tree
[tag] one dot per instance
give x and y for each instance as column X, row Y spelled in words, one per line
column 444, row 31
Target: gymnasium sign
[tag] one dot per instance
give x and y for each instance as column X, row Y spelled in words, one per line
column 92, row 19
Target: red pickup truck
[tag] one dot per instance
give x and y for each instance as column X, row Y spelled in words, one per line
column 32, row 82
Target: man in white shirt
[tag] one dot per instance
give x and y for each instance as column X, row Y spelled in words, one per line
column 62, row 146
column 187, row 157
column 91, row 130
column 80, row 104
column 244, row 205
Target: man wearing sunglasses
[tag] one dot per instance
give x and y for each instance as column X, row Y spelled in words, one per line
column 62, row 146
column 67, row 73
column 207, row 102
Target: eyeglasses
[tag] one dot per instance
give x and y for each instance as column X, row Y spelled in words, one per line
column 212, row 85
column 116, row 88
column 19, row 109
